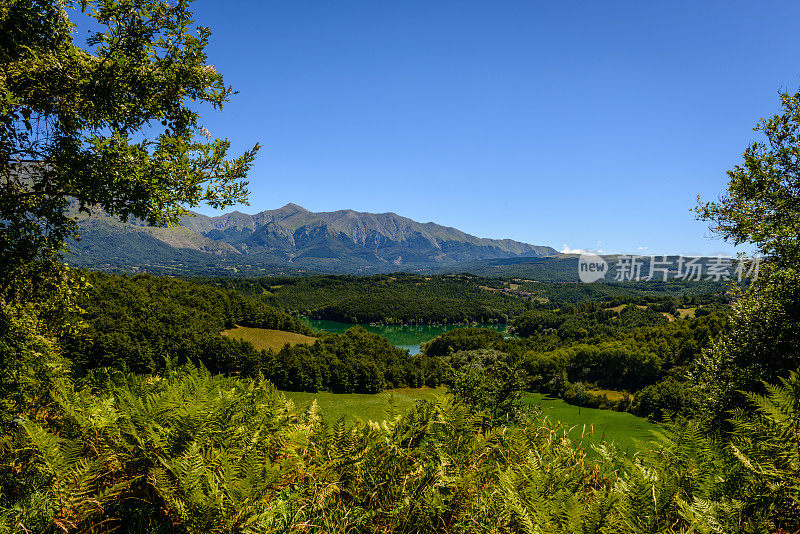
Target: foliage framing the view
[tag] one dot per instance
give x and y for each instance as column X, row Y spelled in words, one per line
column 762, row 203
column 112, row 126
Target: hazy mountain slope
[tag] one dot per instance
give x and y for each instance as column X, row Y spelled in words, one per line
column 338, row 241
column 297, row 227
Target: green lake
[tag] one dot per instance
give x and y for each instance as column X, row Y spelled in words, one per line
column 403, row 336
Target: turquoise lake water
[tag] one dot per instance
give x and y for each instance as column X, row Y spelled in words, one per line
column 405, row 337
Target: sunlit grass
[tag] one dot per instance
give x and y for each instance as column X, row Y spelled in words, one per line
column 610, row 394
column 263, row 338
column 591, row 426
column 362, row 406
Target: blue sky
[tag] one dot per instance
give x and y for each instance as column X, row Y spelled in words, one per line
column 590, row 124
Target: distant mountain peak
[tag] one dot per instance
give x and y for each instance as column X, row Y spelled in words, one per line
column 335, row 241
column 291, row 206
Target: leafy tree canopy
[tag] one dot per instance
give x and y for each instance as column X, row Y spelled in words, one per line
column 762, row 207
column 112, row 125
column 762, row 203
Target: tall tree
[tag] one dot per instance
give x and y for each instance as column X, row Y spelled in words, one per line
column 112, row 125
column 760, row 207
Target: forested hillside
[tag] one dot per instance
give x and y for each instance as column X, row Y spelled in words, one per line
column 147, row 324
column 386, row 299
column 626, row 342
column 402, row 298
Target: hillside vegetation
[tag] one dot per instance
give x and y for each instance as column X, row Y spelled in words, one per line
column 148, row 324
column 401, row 298
column 145, row 323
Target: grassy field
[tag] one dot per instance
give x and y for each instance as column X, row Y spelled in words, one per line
column 593, row 426
column 589, row 427
column 360, row 406
column 264, row 339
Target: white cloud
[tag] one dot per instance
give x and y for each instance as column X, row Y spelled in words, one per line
column 566, row 250
column 642, row 248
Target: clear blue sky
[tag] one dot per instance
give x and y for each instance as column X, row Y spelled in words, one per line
column 591, row 124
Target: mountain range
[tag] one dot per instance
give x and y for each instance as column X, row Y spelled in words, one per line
column 287, row 240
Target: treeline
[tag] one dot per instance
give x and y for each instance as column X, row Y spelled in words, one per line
column 145, row 323
column 585, row 320
column 357, row 361
column 397, row 298
column 630, row 292
column 396, row 309
column 403, row 298
column 636, row 351
column 354, row 362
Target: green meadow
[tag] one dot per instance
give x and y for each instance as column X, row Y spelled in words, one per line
column 592, row 426
column 361, row 406
column 589, row 427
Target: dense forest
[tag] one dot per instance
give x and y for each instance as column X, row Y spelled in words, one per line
column 401, row 298
column 145, row 323
column 387, row 299
column 579, row 352
column 583, row 352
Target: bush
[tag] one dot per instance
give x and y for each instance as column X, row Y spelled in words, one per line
column 462, row 339
column 659, row 401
